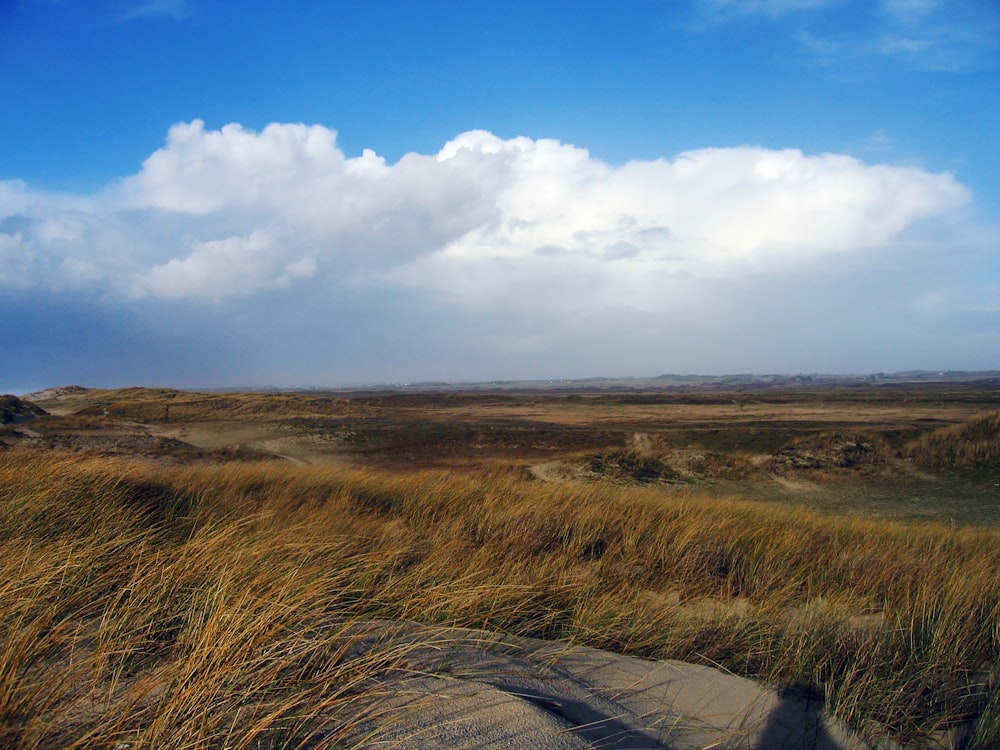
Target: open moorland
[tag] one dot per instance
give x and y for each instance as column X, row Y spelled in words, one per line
column 253, row 570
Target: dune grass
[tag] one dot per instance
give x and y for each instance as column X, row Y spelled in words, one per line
column 168, row 405
column 197, row 607
column 972, row 444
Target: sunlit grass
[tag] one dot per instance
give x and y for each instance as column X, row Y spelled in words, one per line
column 216, row 606
column 971, row 444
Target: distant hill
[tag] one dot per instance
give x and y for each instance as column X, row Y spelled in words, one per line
column 14, row 409
column 53, row 394
column 168, row 405
column 671, row 381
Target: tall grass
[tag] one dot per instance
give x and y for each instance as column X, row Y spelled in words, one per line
column 209, row 606
column 972, row 444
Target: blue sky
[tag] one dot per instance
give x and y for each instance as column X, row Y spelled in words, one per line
column 197, row 193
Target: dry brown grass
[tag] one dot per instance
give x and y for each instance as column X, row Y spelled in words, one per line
column 212, row 606
column 972, row 444
column 168, row 405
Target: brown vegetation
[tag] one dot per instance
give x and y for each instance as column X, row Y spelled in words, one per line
column 13, row 410
column 201, row 605
column 166, row 405
column 973, row 444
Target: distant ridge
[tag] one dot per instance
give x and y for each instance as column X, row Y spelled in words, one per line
column 52, row 394
column 666, row 380
column 167, row 404
column 672, row 380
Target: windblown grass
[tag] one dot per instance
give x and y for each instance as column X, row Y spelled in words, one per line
column 215, row 606
column 973, row 444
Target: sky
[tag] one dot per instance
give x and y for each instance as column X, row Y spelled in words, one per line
column 197, row 193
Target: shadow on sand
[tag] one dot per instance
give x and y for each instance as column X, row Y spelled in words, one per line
column 797, row 722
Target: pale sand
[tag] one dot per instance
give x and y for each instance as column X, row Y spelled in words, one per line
column 473, row 689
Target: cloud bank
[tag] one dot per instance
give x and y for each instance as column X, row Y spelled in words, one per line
column 499, row 245
column 216, row 214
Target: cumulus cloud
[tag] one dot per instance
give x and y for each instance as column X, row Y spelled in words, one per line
column 243, row 257
column 217, row 214
column 575, row 232
column 220, row 268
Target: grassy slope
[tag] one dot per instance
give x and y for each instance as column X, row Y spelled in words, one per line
column 972, row 444
column 192, row 607
column 164, row 404
column 13, row 409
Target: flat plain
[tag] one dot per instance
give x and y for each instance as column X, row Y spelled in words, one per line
column 788, row 444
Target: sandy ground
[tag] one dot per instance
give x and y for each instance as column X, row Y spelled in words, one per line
column 473, row 689
column 464, row 689
column 267, row 438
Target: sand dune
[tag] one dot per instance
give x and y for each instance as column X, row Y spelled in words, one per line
column 474, row 689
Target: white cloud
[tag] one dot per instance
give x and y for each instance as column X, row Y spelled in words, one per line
column 218, row 269
column 13, row 197
column 202, row 171
column 577, row 233
column 15, row 261
column 220, row 214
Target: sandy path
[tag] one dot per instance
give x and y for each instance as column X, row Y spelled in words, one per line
column 265, row 438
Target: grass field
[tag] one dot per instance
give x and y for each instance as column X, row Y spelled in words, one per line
column 166, row 586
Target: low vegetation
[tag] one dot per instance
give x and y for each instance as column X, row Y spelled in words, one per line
column 151, row 606
column 165, row 405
